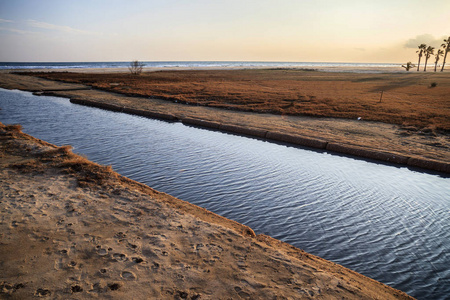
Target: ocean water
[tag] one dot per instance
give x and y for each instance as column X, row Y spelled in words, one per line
column 321, row 66
column 387, row 222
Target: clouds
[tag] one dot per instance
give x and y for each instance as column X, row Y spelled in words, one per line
column 33, row 26
column 9, row 27
column 14, row 30
column 61, row 28
column 286, row 30
column 426, row 38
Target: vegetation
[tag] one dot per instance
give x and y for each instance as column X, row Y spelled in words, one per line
column 438, row 55
column 422, row 48
column 446, row 46
column 427, row 51
column 406, row 100
column 136, row 67
column 408, row 66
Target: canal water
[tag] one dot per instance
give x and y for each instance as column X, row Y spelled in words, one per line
column 387, row 222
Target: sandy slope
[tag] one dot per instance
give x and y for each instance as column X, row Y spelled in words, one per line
column 73, row 229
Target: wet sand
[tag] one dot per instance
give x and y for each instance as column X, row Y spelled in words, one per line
column 74, row 229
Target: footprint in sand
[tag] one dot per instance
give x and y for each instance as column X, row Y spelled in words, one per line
column 132, row 246
column 120, row 257
column 128, row 275
column 137, row 260
column 42, row 292
column 72, row 264
column 76, row 289
column 241, row 293
column 58, row 264
column 120, row 235
column 6, row 288
column 114, row 286
column 241, row 264
column 102, row 252
column 103, row 271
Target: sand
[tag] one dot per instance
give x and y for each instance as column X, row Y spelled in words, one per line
column 73, row 229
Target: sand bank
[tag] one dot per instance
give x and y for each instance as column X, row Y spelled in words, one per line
column 73, row 229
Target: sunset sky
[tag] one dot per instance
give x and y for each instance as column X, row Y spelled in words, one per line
column 228, row 30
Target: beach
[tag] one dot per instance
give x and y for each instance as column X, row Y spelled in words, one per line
column 72, row 228
column 75, row 229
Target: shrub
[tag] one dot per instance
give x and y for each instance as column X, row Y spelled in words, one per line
column 136, row 67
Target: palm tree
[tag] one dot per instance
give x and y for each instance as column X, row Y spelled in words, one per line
column 438, row 55
column 428, row 52
column 422, row 48
column 446, row 46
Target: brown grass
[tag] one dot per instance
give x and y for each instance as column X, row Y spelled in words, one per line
column 14, row 142
column 407, row 97
column 87, row 173
column 14, row 128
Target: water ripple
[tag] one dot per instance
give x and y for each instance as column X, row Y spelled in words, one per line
column 388, row 223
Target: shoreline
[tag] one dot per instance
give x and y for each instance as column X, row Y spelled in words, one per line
column 73, row 228
column 321, row 67
column 300, row 131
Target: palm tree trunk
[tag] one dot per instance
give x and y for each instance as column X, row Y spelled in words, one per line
column 425, row 68
column 443, row 62
column 435, row 66
column 418, row 64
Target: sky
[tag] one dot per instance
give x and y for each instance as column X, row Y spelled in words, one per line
column 379, row 31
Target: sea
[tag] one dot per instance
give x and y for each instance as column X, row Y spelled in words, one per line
column 319, row 66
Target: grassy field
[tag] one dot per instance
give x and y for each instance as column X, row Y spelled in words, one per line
column 420, row 100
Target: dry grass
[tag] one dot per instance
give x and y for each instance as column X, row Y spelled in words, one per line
column 14, row 128
column 407, row 97
column 30, row 167
column 87, row 173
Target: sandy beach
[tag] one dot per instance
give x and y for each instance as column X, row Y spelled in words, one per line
column 73, row 229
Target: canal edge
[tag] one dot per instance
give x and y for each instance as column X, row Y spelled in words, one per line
column 294, row 139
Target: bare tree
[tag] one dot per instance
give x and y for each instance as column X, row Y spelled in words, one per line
column 136, row 67
column 446, row 46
